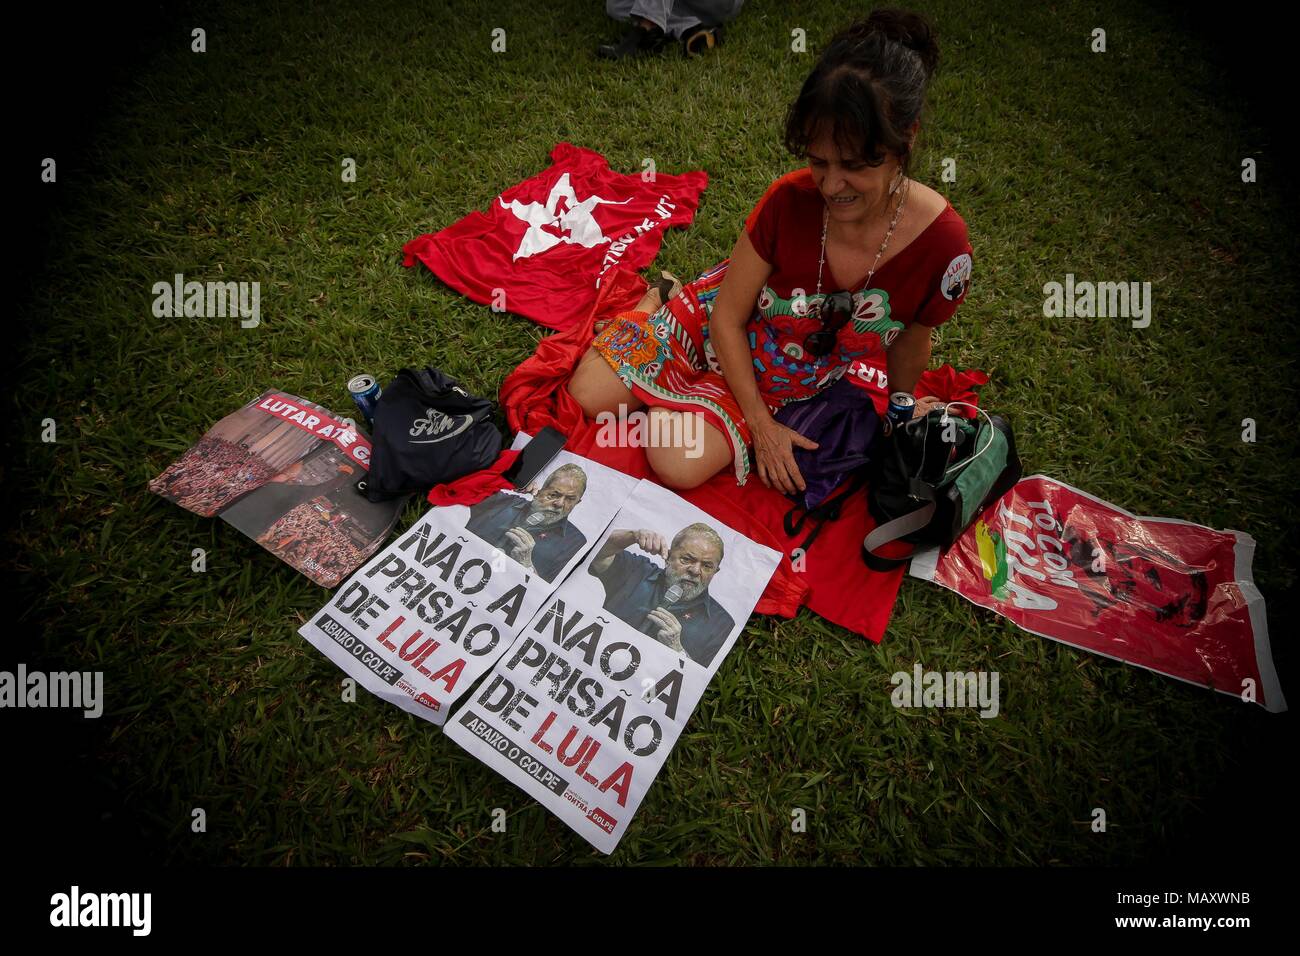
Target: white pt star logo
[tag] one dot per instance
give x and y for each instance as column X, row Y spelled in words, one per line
column 562, row 219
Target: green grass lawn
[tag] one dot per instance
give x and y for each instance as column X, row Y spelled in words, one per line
column 226, row 165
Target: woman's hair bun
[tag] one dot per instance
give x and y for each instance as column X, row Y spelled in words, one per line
column 912, row 30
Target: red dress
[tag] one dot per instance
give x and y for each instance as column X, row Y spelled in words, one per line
column 667, row 360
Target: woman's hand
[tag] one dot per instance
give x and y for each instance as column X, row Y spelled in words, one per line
column 924, row 406
column 774, row 454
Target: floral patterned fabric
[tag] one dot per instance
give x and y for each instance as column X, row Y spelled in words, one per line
column 667, row 359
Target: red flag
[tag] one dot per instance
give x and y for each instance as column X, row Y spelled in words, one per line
column 1171, row 596
column 544, row 244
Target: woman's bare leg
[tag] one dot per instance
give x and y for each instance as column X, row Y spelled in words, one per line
column 598, row 389
column 698, row 452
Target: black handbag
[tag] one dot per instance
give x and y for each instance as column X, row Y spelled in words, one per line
column 931, row 479
column 427, row 431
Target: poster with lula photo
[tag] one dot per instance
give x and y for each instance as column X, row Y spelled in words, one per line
column 670, row 572
column 428, row 616
column 544, row 526
column 583, row 708
column 657, row 564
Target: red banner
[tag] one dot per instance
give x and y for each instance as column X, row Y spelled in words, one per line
column 1173, row 597
column 314, row 421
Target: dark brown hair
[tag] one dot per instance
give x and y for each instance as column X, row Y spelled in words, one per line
column 869, row 84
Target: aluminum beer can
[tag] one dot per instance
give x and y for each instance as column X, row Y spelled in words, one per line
column 901, row 406
column 365, row 392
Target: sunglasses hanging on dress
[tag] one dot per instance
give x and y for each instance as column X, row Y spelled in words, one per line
column 840, row 304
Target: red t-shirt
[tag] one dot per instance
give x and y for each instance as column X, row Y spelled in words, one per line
column 925, row 282
column 541, row 248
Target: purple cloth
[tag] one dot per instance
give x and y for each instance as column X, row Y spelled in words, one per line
column 843, row 422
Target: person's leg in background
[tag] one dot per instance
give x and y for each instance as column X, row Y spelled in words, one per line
column 647, row 33
column 697, row 23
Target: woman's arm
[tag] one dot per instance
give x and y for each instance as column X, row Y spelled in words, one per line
column 907, row 357
column 773, row 442
column 731, row 311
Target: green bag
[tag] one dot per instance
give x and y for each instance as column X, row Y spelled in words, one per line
column 933, row 476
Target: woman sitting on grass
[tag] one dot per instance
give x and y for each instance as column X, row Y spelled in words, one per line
column 839, row 259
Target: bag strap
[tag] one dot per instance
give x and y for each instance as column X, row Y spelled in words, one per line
column 891, row 531
column 828, row 510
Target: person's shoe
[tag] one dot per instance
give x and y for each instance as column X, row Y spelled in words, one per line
column 701, row 39
column 669, row 286
column 666, row 289
column 638, row 41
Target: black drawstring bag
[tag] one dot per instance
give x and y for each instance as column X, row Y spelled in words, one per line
column 933, row 476
column 427, row 431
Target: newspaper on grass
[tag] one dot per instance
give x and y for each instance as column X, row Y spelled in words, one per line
column 284, row 471
column 429, row 615
column 584, row 707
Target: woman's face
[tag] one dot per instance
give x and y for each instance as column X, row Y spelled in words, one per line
column 854, row 191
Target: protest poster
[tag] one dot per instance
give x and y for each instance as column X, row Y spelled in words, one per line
column 584, row 707
column 1171, row 596
column 283, row 471
column 431, row 613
